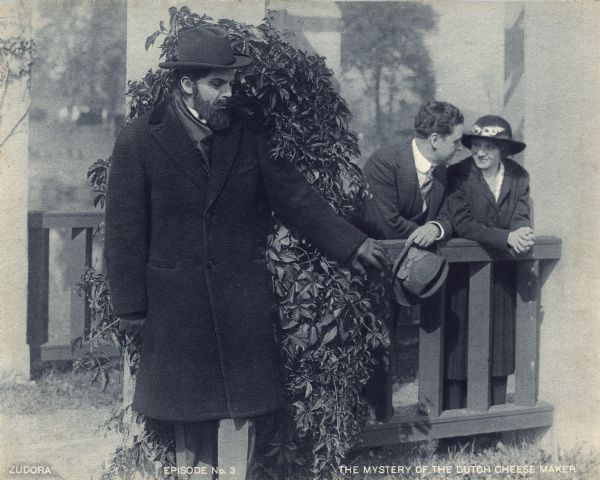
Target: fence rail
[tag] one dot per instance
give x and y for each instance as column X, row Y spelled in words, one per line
column 428, row 420
column 77, row 243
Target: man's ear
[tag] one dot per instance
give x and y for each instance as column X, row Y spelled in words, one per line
column 434, row 139
column 186, row 85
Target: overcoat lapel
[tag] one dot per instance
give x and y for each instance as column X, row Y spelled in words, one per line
column 224, row 148
column 174, row 140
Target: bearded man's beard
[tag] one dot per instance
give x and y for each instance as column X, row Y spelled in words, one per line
column 217, row 114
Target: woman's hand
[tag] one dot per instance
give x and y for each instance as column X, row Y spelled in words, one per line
column 521, row 240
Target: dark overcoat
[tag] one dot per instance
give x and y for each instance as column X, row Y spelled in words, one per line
column 477, row 215
column 396, row 207
column 186, row 246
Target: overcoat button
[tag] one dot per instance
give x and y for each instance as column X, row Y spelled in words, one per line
column 210, row 265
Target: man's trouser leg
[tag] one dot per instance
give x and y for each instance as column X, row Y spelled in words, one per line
column 196, row 449
column 499, row 385
column 378, row 390
column 236, row 448
column 227, row 444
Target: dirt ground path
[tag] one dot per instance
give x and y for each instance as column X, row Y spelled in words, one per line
column 66, row 444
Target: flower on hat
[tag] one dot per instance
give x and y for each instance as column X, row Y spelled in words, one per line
column 489, row 131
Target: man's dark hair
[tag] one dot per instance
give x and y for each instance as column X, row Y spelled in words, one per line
column 194, row 74
column 437, row 117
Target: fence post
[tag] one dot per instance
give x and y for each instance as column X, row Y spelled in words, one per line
column 79, row 257
column 431, row 354
column 478, row 369
column 527, row 334
column 38, row 283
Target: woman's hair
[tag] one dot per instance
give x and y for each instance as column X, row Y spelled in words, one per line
column 437, row 117
column 505, row 150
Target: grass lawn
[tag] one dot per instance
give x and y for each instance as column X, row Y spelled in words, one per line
column 489, row 457
column 53, row 422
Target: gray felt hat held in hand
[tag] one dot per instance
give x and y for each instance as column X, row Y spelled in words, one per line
column 417, row 275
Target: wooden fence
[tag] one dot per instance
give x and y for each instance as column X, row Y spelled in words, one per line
column 77, row 254
column 427, row 421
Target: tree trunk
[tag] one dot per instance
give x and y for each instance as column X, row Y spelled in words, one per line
column 378, row 119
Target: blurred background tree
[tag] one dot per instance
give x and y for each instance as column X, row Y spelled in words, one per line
column 82, row 56
column 77, row 101
column 383, row 44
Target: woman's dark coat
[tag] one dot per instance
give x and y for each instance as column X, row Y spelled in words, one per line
column 477, row 215
column 186, row 246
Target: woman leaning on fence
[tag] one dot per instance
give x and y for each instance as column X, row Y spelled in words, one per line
column 488, row 203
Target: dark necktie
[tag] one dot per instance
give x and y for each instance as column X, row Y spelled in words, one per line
column 204, row 147
column 426, row 187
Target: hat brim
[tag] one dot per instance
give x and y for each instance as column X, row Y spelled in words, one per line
column 399, row 260
column 512, row 146
column 241, row 61
column 406, row 298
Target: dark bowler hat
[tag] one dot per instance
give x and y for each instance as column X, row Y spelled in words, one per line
column 206, row 47
column 417, row 275
column 493, row 127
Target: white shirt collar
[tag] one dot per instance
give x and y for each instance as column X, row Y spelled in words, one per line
column 421, row 163
column 193, row 111
column 196, row 115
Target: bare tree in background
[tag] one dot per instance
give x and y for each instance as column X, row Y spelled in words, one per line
column 385, row 42
column 81, row 54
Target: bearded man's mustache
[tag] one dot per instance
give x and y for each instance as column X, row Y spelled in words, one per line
column 217, row 114
column 222, row 104
column 219, row 119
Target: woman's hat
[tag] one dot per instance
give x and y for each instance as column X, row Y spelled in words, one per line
column 493, row 127
column 205, row 47
column 417, row 275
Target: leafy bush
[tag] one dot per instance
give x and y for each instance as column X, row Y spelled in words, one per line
column 330, row 318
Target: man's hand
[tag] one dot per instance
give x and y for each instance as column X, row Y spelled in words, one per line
column 425, row 235
column 132, row 326
column 521, row 239
column 370, row 253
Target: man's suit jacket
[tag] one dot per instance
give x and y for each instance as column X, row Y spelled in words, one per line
column 396, row 207
column 394, row 212
column 186, row 246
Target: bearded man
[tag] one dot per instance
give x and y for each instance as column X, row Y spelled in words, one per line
column 184, row 249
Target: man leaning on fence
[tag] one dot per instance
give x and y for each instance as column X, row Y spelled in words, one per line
column 183, row 251
column 408, row 185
